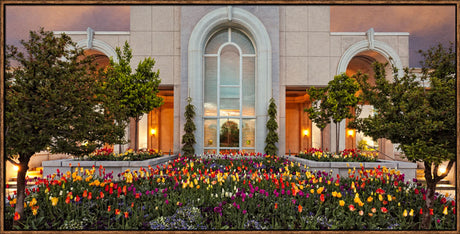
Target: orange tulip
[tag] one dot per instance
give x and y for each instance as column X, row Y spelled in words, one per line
column 126, row 214
column 17, row 216
column 117, row 211
column 300, row 208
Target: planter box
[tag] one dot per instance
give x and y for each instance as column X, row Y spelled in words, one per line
column 341, row 168
column 114, row 167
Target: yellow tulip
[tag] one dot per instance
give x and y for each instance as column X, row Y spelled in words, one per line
column 54, row 201
column 411, row 213
column 369, row 199
column 341, row 202
column 405, row 213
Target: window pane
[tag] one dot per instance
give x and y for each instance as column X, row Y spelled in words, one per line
column 249, row 126
column 210, row 86
column 229, row 107
column 229, row 133
column 242, row 41
column 216, row 41
column 229, row 66
column 210, row 133
column 229, row 101
column 249, row 86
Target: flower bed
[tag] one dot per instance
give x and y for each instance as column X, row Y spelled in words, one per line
column 107, row 154
column 407, row 169
column 108, row 167
column 257, row 192
column 347, row 155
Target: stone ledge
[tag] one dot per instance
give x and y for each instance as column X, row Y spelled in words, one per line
column 115, row 167
column 341, row 168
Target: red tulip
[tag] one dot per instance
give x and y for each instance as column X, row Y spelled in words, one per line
column 384, row 210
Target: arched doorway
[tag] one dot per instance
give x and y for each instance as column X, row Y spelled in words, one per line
column 363, row 62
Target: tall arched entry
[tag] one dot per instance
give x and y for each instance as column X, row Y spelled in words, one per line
column 230, row 80
column 360, row 57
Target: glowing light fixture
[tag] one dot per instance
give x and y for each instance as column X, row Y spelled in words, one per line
column 350, row 132
column 153, row 131
column 442, row 170
column 306, row 132
column 15, row 168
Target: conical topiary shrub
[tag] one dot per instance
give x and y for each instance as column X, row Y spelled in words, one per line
column 272, row 126
column 188, row 139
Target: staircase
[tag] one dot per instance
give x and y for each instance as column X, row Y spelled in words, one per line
column 11, row 185
column 443, row 187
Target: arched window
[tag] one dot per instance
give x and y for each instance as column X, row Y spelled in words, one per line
column 229, row 92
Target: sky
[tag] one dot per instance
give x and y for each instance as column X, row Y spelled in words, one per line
column 428, row 25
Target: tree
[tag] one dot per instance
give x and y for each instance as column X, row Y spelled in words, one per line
column 421, row 119
column 54, row 101
column 318, row 112
column 135, row 93
column 272, row 126
column 338, row 100
column 229, row 134
column 188, row 139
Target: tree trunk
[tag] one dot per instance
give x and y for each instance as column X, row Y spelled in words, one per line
column 322, row 139
column 136, row 134
column 432, row 179
column 21, row 185
column 337, row 135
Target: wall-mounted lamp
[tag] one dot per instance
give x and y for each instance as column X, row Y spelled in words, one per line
column 306, row 132
column 153, row 131
column 350, row 132
column 442, row 170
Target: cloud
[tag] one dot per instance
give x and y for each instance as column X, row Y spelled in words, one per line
column 428, row 25
column 22, row 19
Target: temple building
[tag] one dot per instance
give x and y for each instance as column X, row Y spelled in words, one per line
column 232, row 59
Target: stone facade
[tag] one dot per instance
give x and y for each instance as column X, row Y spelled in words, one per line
column 302, row 53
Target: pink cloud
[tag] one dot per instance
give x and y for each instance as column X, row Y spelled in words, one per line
column 22, row 19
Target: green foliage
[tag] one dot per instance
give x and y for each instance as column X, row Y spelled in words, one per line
column 421, row 119
column 188, row 139
column 335, row 101
column 272, row 126
column 133, row 94
column 54, row 100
